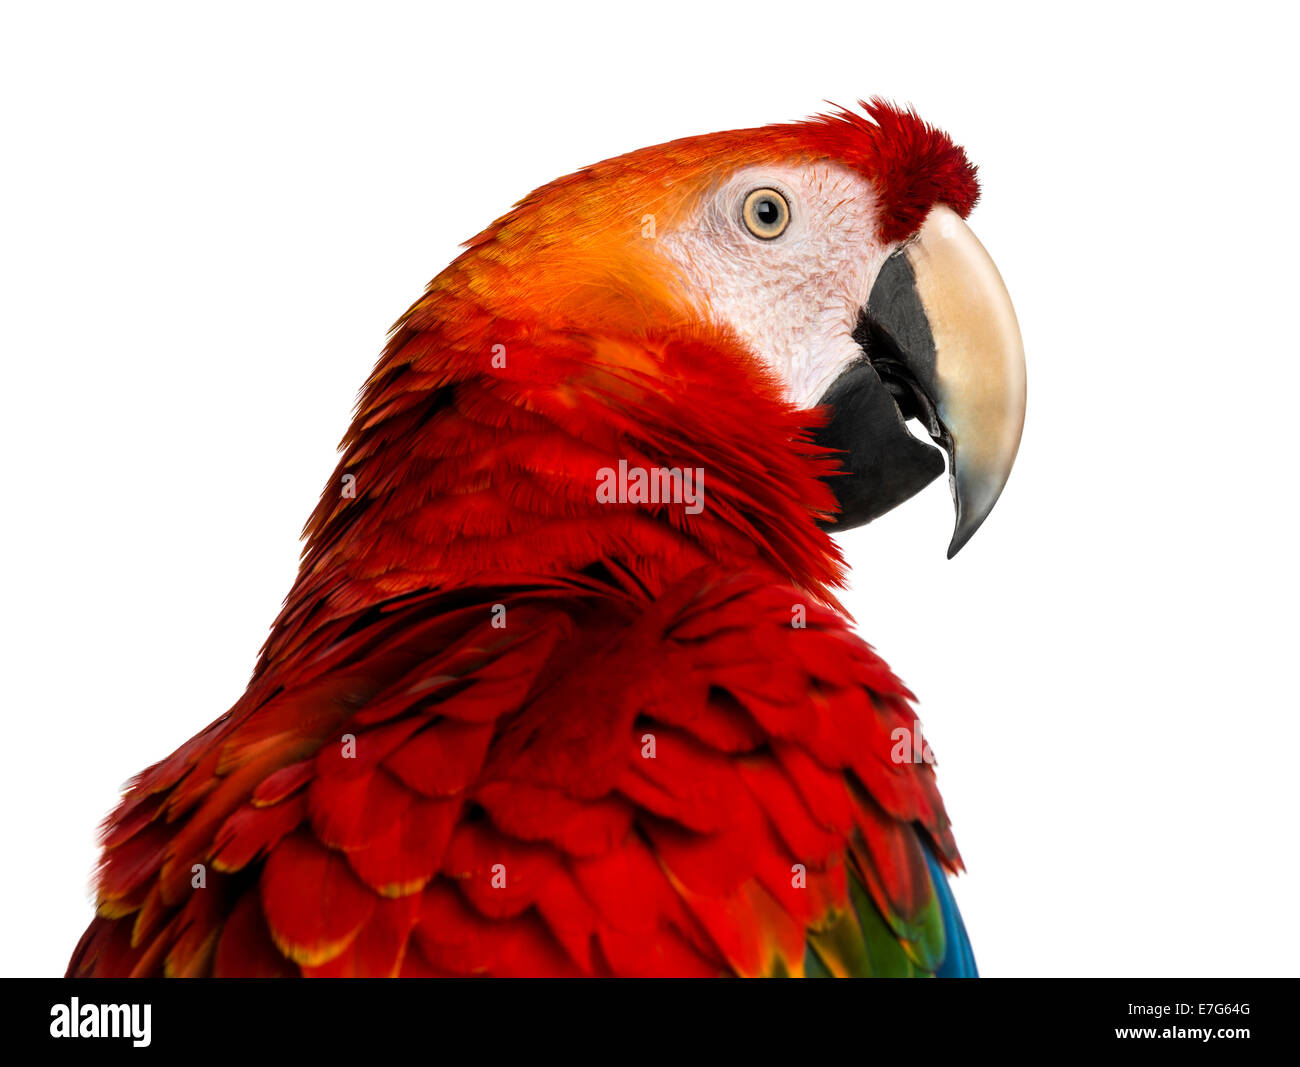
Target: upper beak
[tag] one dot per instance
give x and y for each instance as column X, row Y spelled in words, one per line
column 942, row 345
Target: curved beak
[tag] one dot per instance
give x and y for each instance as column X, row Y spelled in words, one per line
column 941, row 344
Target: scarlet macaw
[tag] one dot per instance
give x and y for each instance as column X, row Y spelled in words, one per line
column 562, row 686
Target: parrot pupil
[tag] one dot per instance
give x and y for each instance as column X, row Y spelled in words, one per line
column 767, row 212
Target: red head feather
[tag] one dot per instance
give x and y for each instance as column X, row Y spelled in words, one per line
column 913, row 165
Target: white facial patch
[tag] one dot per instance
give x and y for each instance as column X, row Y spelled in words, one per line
column 794, row 299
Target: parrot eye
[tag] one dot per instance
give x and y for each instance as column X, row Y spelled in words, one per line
column 766, row 214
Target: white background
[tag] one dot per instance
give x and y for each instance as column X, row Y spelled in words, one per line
column 210, row 219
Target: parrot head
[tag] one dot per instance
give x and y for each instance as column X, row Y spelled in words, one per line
column 833, row 251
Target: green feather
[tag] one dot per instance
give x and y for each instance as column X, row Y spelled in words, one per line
column 860, row 943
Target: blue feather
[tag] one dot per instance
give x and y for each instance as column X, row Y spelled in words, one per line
column 959, row 960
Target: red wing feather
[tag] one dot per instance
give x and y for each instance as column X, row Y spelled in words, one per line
column 536, row 834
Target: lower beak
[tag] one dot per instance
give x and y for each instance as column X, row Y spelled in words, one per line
column 940, row 344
